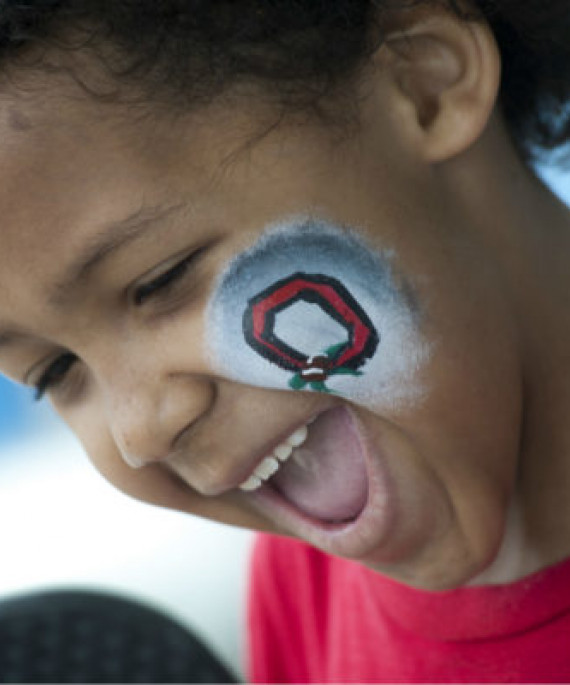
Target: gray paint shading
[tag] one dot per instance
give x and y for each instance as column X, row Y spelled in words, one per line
column 313, row 246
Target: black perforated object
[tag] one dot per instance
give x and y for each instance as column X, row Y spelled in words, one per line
column 91, row 637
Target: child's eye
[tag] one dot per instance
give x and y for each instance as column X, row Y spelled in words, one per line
column 55, row 374
column 161, row 283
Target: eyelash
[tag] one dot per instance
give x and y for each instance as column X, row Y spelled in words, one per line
column 161, row 283
column 55, row 374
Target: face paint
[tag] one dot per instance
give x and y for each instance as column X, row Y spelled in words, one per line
column 310, row 306
column 260, row 318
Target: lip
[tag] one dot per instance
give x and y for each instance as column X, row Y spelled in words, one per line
column 241, row 472
column 245, row 471
column 354, row 539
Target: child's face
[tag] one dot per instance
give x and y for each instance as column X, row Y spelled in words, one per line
column 195, row 298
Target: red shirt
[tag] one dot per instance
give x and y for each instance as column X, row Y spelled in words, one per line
column 315, row 618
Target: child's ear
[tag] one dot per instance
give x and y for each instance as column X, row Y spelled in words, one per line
column 446, row 72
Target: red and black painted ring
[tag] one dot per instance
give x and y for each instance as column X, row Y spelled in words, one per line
column 328, row 293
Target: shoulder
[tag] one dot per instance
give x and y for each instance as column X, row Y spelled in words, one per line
column 289, row 600
column 289, row 579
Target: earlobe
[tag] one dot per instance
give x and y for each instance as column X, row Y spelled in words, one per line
column 448, row 72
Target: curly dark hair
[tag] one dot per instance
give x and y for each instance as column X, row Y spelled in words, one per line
column 300, row 51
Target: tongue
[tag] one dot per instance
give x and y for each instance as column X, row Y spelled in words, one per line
column 326, row 477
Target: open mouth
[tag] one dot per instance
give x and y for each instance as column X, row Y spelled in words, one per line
column 319, row 470
column 325, row 478
column 327, row 491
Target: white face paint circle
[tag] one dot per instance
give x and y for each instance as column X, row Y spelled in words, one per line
column 311, row 340
column 353, row 280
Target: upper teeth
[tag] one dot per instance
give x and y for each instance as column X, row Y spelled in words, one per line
column 270, row 465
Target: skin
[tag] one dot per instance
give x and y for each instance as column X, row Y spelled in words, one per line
column 481, row 465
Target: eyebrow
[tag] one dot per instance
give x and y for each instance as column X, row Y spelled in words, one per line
column 109, row 239
column 9, row 337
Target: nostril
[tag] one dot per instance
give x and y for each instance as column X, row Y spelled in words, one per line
column 180, row 436
column 136, row 462
column 151, row 425
column 139, row 440
column 132, row 460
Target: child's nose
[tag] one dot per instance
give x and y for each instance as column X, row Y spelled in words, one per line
column 148, row 416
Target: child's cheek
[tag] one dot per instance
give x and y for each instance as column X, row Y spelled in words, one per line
column 311, row 307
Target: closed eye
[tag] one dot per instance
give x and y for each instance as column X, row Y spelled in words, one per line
column 162, row 282
column 55, row 374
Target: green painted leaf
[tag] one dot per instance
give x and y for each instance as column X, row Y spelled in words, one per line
column 297, row 383
column 319, row 386
column 333, row 350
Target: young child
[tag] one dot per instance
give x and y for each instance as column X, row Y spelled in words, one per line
column 285, row 265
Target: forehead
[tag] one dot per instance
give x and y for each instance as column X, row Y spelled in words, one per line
column 66, row 170
column 69, row 165
column 47, row 179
